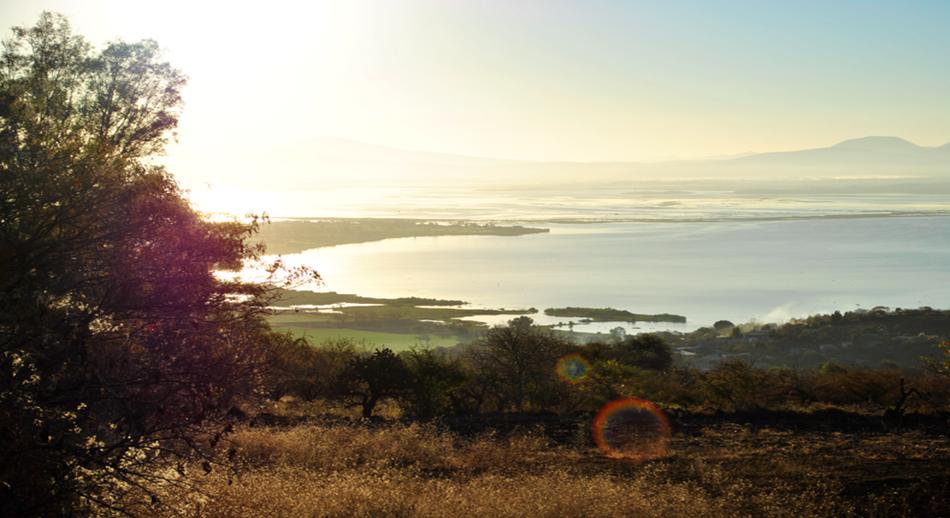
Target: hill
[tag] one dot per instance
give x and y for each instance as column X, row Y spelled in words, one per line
column 324, row 163
column 879, row 337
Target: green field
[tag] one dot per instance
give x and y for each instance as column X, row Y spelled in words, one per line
column 395, row 341
column 399, row 324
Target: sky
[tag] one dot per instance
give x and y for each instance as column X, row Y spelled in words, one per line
column 535, row 80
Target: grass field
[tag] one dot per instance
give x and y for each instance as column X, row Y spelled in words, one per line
column 725, row 470
column 395, row 341
column 399, row 327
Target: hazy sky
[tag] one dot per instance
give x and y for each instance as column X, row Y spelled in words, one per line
column 548, row 80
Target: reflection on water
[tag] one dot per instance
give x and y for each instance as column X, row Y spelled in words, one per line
column 769, row 270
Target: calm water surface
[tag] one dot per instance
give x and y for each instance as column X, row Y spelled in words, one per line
column 706, row 271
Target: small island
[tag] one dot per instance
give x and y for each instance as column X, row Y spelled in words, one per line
column 404, row 322
column 293, row 236
column 612, row 315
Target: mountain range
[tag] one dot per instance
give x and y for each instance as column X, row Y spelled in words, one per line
column 339, row 162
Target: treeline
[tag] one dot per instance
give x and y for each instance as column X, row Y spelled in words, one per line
column 861, row 338
column 522, row 367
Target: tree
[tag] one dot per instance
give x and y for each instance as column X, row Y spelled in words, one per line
column 309, row 372
column 370, row 379
column 735, row 385
column 618, row 333
column 647, row 351
column 723, row 325
column 940, row 366
column 517, row 362
column 120, row 346
column 434, row 384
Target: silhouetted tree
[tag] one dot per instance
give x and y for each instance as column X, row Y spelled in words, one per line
column 647, row 351
column 434, row 384
column 119, row 344
column 369, row 379
column 721, row 325
column 310, row 372
column 517, row 363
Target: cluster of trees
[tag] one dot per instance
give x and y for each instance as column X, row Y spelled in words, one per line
column 509, row 368
column 867, row 338
column 736, row 385
column 514, row 369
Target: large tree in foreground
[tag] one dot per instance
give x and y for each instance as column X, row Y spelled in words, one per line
column 118, row 343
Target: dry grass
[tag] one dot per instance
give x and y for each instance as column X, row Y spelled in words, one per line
column 339, row 470
column 292, row 492
column 413, row 447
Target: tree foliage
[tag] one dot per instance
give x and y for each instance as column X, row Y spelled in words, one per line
column 370, row 379
column 434, row 384
column 516, row 363
column 119, row 342
column 647, row 351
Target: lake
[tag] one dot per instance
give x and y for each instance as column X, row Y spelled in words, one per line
column 763, row 270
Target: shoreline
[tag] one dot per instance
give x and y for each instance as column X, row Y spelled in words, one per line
column 295, row 236
column 442, row 227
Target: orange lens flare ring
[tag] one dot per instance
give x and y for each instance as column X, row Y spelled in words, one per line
column 631, row 429
column 573, row 368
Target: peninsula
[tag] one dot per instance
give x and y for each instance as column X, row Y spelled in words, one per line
column 293, row 236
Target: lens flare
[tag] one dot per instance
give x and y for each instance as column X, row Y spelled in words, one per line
column 573, row 368
column 631, row 429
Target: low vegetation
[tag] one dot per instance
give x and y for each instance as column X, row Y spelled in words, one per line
column 413, row 338
column 515, row 368
column 339, row 469
column 292, row 236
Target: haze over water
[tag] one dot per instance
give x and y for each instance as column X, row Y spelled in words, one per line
column 555, row 112
column 705, row 270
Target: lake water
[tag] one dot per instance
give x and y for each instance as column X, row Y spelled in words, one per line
column 648, row 202
column 764, row 270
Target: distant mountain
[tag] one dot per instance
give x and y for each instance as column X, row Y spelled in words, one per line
column 861, row 157
column 328, row 162
column 889, row 145
column 879, row 144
